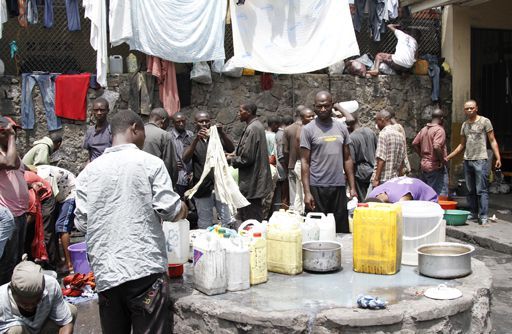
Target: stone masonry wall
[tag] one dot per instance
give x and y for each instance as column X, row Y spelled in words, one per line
column 407, row 95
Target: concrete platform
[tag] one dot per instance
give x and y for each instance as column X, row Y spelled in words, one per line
column 325, row 303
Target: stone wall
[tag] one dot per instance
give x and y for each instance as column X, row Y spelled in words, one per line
column 407, row 95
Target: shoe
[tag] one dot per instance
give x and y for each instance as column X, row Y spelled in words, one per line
column 482, row 221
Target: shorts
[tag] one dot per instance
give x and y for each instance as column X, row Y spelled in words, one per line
column 66, row 219
column 388, row 60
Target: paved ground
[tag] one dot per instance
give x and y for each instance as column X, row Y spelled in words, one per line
column 494, row 249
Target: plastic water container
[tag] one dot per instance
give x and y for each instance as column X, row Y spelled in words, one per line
column 258, row 259
column 377, row 239
column 116, row 64
column 237, row 264
column 423, row 224
column 284, row 247
column 193, row 234
column 177, row 240
column 252, row 226
column 326, row 225
column 310, row 230
column 131, row 63
column 78, row 254
column 210, row 275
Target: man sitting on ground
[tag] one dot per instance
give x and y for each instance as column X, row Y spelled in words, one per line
column 402, row 189
column 33, row 303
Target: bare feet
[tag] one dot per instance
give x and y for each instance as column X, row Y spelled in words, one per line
column 373, row 73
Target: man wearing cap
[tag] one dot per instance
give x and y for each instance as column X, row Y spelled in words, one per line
column 32, row 303
column 13, row 196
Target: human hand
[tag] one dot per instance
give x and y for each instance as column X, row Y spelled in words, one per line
column 352, row 193
column 375, row 183
column 497, row 165
column 309, row 201
column 9, row 129
column 203, row 133
column 220, row 127
column 179, row 165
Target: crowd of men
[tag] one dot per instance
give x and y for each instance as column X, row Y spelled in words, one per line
column 137, row 175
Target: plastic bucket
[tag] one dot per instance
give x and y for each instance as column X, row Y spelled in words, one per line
column 423, row 223
column 78, row 254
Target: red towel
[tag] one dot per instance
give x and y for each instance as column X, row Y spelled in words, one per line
column 71, row 96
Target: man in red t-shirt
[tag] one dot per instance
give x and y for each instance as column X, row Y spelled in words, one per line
column 430, row 144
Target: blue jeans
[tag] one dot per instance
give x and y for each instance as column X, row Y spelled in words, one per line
column 6, row 227
column 46, row 84
column 475, row 173
column 435, row 179
column 204, row 206
column 48, row 13
column 73, row 14
column 13, row 249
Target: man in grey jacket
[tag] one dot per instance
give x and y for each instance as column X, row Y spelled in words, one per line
column 251, row 159
column 160, row 143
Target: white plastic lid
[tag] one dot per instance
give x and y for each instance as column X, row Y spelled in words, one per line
column 442, row 292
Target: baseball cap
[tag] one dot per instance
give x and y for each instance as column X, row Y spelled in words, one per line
column 27, row 280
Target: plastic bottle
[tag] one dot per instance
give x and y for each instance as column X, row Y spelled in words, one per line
column 258, row 259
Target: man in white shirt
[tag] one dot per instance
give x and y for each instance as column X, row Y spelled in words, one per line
column 122, row 197
column 405, row 53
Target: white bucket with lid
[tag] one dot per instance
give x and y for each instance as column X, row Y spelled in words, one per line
column 423, row 223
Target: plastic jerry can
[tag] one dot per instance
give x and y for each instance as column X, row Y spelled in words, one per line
column 177, row 240
column 326, row 225
column 284, row 248
column 377, row 239
column 210, row 275
column 258, row 259
column 310, row 230
column 237, row 264
column 116, row 64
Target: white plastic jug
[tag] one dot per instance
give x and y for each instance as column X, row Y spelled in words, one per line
column 237, row 263
column 210, row 275
column 310, row 230
column 177, row 240
column 288, row 218
column 326, row 225
column 248, row 227
column 116, row 64
column 193, row 234
column 284, row 246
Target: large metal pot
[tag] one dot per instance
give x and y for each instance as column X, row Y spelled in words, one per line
column 445, row 259
column 321, row 256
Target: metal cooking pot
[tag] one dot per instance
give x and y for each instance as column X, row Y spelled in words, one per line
column 321, row 256
column 445, row 259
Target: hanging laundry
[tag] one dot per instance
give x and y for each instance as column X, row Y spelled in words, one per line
column 392, row 9
column 96, row 11
column 12, row 8
column 165, row 72
column 377, row 13
column 46, row 83
column 48, row 13
column 292, row 36
column 176, row 30
column 71, row 96
column 22, row 18
column 3, row 15
column 32, row 14
column 141, row 92
column 73, row 15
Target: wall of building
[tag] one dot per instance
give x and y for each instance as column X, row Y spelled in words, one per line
column 456, row 48
column 407, row 95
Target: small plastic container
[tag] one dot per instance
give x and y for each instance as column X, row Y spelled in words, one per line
column 448, row 205
column 175, row 270
column 78, row 254
column 116, row 64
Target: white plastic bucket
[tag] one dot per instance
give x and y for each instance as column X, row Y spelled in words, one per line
column 423, row 224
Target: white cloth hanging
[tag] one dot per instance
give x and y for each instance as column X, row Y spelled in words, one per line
column 226, row 189
column 3, row 15
column 182, row 31
column 294, row 36
column 96, row 11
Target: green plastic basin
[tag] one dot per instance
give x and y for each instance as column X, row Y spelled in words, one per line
column 456, row 217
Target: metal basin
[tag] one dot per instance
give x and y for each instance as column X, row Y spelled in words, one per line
column 321, row 256
column 445, row 259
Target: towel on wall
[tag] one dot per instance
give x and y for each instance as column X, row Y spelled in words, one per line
column 71, row 96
